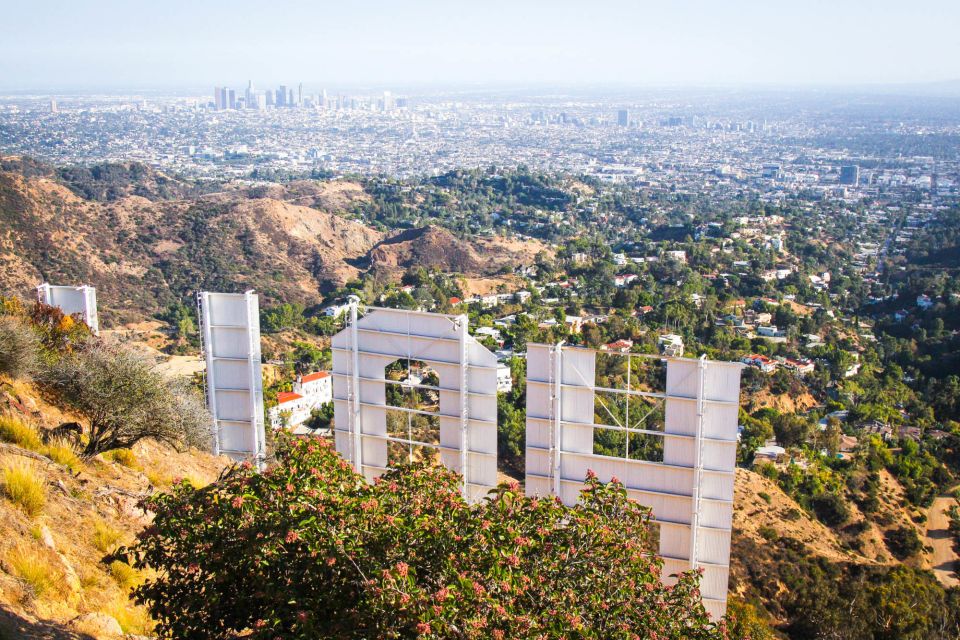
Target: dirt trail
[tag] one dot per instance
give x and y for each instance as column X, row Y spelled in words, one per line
column 944, row 558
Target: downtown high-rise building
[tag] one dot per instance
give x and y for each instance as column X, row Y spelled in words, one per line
column 623, row 118
column 850, row 175
column 231, row 99
column 282, row 96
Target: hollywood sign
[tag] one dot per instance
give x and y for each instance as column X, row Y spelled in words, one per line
column 230, row 341
column 675, row 450
column 409, row 385
column 81, row 300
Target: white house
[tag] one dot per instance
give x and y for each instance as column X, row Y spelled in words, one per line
column 679, row 255
column 770, row 331
column 504, row 380
column 624, row 280
column 335, row 309
column 309, row 392
column 671, row 345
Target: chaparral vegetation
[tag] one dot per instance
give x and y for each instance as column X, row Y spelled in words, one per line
column 308, row 549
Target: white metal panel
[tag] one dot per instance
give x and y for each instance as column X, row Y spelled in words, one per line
column 230, row 335
column 467, row 381
column 690, row 492
column 81, row 300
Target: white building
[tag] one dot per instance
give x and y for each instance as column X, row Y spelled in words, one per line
column 309, row 393
column 671, row 345
column 504, row 379
column 336, row 309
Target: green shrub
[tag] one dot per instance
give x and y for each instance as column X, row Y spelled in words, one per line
column 126, row 399
column 25, row 488
column 768, row 533
column 765, row 497
column 309, row 550
column 830, row 509
column 903, row 542
column 18, row 432
column 19, row 348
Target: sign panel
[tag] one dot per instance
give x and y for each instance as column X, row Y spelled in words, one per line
column 230, row 334
column 675, row 450
column 411, row 385
column 72, row 300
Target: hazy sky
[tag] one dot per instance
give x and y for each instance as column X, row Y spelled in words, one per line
column 48, row 43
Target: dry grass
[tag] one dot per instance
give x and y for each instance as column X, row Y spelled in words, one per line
column 123, row 457
column 105, row 537
column 62, row 452
column 158, row 479
column 133, row 620
column 20, row 433
column 124, row 575
column 35, row 570
column 25, row 487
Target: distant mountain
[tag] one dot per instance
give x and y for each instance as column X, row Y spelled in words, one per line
column 146, row 239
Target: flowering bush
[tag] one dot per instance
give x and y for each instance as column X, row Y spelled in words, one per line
column 309, row 550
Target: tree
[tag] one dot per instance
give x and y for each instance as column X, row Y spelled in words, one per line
column 308, row 549
column 126, row 399
column 19, row 347
column 790, row 429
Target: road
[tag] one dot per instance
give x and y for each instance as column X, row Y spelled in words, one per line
column 938, row 536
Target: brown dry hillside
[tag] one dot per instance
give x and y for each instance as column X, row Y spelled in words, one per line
column 54, row 580
column 147, row 241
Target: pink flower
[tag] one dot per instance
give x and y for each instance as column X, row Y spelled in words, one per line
column 292, row 536
column 237, row 502
column 402, row 568
column 423, row 628
column 590, row 474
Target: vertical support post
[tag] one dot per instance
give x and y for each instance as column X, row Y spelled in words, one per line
column 206, row 350
column 462, row 335
column 90, row 308
column 556, row 410
column 355, row 428
column 698, row 463
column 255, row 380
column 43, row 293
column 627, row 417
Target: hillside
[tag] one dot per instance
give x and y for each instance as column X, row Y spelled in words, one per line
column 54, row 582
column 146, row 240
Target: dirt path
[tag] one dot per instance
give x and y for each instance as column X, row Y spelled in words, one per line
column 938, row 536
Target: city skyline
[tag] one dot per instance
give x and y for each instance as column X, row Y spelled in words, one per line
column 108, row 44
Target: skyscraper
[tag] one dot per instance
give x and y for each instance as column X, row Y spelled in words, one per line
column 850, row 174
column 248, row 97
column 300, row 94
column 623, row 117
column 282, row 96
column 217, row 104
column 231, row 99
